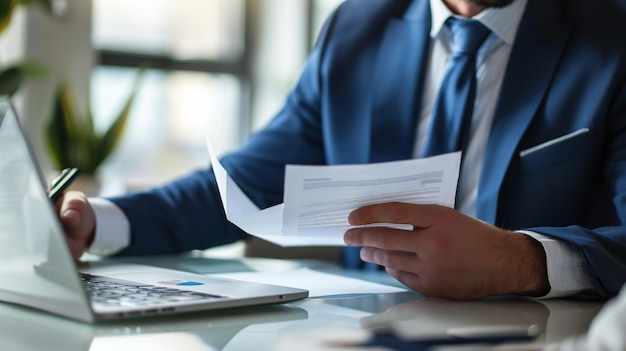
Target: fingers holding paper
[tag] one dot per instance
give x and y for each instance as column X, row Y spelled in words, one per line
column 448, row 254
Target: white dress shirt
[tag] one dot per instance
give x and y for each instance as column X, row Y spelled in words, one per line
column 566, row 267
column 112, row 228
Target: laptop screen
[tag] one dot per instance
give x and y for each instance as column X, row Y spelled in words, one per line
column 36, row 268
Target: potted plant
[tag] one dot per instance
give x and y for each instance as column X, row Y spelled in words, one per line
column 11, row 76
column 72, row 138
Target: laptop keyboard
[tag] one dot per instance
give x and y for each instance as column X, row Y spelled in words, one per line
column 116, row 292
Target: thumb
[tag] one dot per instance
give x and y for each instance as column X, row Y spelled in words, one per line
column 72, row 210
column 70, row 217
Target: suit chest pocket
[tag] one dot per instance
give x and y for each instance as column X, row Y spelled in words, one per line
column 570, row 146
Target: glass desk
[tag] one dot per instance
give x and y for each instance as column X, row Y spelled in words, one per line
column 304, row 324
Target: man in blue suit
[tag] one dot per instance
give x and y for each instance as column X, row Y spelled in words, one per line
column 541, row 205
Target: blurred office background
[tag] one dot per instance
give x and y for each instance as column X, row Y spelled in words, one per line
column 217, row 67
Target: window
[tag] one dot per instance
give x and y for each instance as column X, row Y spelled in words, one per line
column 321, row 9
column 185, row 29
column 196, row 82
column 216, row 67
column 173, row 112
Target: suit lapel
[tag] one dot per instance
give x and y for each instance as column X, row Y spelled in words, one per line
column 533, row 61
column 398, row 79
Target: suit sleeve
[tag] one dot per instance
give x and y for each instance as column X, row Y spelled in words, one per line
column 604, row 247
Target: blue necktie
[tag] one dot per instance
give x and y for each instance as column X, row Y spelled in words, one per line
column 454, row 105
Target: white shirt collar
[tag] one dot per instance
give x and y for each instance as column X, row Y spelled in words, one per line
column 502, row 22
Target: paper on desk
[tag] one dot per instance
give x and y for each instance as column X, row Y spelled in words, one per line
column 317, row 283
column 318, row 199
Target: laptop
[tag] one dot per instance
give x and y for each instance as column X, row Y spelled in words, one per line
column 26, row 329
column 38, row 271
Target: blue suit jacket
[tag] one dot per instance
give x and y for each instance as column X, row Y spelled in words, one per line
column 357, row 101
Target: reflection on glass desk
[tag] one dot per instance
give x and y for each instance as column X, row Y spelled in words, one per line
column 302, row 323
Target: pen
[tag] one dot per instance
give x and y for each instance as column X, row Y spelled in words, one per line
column 61, row 182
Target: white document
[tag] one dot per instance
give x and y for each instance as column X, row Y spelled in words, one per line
column 318, row 199
column 317, row 283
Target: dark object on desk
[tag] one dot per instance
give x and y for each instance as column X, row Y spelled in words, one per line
column 457, row 336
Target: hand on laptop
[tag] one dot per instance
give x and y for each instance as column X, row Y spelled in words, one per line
column 78, row 220
column 449, row 254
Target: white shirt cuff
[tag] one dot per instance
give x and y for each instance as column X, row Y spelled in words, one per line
column 112, row 233
column 567, row 268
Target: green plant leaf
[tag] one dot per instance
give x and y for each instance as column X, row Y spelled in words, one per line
column 109, row 140
column 46, row 4
column 73, row 141
column 10, row 80
column 7, row 8
column 62, row 130
column 89, row 143
column 6, row 13
column 32, row 68
column 11, row 77
column 56, row 135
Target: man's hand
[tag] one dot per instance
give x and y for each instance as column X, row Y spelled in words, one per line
column 78, row 220
column 448, row 254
